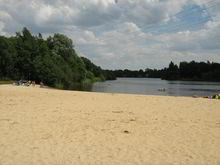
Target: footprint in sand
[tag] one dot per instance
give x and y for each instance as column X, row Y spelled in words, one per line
column 126, row 131
column 117, row 111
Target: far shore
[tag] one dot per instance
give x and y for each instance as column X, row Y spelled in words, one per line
column 44, row 126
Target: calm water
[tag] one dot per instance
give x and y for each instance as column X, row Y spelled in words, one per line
column 151, row 86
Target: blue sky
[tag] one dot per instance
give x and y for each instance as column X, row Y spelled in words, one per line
column 133, row 34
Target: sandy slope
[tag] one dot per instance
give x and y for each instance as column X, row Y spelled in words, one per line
column 53, row 127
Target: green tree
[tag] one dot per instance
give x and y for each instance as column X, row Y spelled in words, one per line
column 7, row 58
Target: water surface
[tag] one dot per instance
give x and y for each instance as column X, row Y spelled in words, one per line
column 152, row 86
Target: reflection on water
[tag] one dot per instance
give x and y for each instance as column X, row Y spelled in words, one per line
column 151, row 86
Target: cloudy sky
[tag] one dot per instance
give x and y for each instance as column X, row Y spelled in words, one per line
column 119, row 34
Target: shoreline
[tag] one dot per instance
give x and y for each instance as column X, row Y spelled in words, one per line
column 162, row 90
column 84, row 91
column 43, row 126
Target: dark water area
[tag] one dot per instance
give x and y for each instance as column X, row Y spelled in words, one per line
column 153, row 86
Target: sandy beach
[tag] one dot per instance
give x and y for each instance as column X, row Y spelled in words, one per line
column 54, row 127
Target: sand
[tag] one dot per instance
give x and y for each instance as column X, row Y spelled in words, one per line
column 54, row 127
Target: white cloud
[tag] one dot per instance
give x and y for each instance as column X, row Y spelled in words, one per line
column 150, row 12
column 134, row 51
column 113, row 34
column 130, row 27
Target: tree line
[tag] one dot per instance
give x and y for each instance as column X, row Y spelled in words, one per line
column 52, row 61
column 196, row 71
column 193, row 71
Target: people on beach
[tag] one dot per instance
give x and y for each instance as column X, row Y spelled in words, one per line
column 33, row 83
column 216, row 96
column 27, row 83
column 41, row 84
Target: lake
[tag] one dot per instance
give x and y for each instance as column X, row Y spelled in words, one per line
column 153, row 86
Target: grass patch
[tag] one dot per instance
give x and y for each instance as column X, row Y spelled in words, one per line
column 6, row 82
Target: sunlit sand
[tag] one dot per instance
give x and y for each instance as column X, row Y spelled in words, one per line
column 54, row 127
